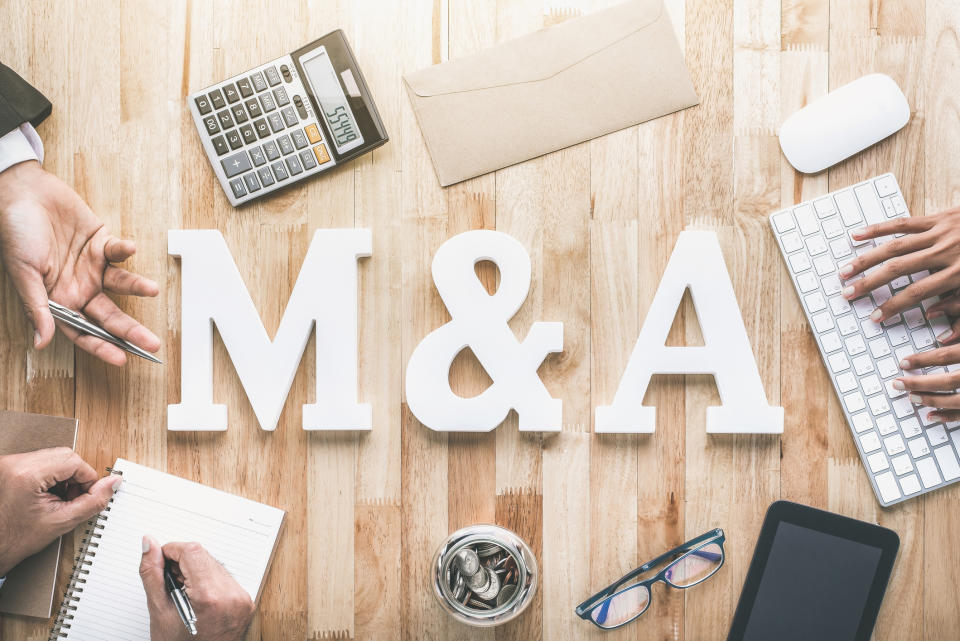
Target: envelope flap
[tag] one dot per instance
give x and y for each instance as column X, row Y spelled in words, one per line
column 539, row 55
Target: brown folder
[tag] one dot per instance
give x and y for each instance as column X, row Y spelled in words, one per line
column 30, row 586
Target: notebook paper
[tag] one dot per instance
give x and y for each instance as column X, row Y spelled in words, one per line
column 239, row 533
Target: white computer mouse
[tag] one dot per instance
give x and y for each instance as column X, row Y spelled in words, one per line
column 844, row 122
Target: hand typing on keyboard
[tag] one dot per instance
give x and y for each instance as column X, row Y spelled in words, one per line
column 921, row 245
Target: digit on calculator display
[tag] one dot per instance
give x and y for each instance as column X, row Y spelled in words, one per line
column 329, row 95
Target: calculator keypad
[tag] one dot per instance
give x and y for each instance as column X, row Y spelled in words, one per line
column 254, row 128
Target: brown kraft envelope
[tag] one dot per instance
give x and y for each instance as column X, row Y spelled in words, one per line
column 550, row 89
column 30, row 586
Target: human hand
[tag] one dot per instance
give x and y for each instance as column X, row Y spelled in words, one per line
column 43, row 495
column 223, row 608
column 53, row 245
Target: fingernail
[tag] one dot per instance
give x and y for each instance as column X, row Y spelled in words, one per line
column 898, row 385
column 847, row 291
column 36, row 339
column 116, row 485
column 846, row 270
column 944, row 336
column 933, row 416
column 915, row 399
column 876, row 315
column 859, row 232
column 905, row 364
column 146, row 545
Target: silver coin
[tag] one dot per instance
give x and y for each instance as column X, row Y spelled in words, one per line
column 506, row 594
column 480, row 605
column 488, row 549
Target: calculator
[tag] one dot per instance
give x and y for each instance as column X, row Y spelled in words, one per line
column 287, row 120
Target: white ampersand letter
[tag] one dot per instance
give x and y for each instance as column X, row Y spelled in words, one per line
column 479, row 320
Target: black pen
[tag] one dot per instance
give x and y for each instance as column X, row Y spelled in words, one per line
column 180, row 601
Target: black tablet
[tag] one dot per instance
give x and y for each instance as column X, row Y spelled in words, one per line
column 814, row 575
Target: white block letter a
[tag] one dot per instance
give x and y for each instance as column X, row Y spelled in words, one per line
column 324, row 295
column 696, row 263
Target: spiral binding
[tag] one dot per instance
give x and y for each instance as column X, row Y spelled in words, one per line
column 88, row 551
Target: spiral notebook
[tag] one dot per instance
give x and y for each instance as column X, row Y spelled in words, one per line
column 105, row 598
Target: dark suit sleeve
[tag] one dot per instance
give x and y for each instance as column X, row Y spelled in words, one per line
column 19, row 102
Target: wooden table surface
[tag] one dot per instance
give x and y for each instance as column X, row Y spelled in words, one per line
column 367, row 511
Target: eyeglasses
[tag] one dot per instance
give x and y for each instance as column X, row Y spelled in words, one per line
column 616, row 605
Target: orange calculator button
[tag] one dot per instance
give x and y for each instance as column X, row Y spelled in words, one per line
column 313, row 134
column 321, row 152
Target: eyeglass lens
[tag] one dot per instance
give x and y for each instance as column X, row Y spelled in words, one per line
column 621, row 607
column 695, row 566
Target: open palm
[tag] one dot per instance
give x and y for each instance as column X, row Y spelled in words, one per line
column 54, row 246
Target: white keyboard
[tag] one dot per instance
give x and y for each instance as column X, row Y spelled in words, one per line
column 904, row 453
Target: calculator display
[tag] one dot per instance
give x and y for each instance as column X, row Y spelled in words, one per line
column 331, row 100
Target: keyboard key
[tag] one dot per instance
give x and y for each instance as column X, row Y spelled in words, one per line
column 838, row 362
column 230, row 91
column 902, row 464
column 249, row 137
column 266, row 100
column 886, row 186
column 862, row 422
column 293, row 164
column 807, row 282
column 782, row 221
column 831, row 341
column 910, row 427
column 824, row 207
column 799, row 262
column 286, row 147
column 216, row 99
column 888, row 208
column 937, row 435
column 280, row 94
column 816, row 245
column 252, row 183
column 948, row 462
column 919, row 275
column 806, row 220
column 266, row 177
column 270, row 148
column 871, row 385
column 791, row 242
column 863, row 307
column 913, row 317
column 272, row 76
column 928, row 473
column 308, row 160
column 870, row 204
column 225, row 120
column 233, row 137
column 236, row 185
column 824, row 265
column 926, row 421
column 300, row 141
column 840, row 248
column 887, row 367
column 847, row 324
column 263, row 130
column 910, row 484
column 279, row 170
column 254, row 108
column 831, row 285
column 891, row 392
column 922, row 337
column 236, row 164
column 203, row 105
column 899, row 205
column 902, row 407
column 276, row 122
column 879, row 347
column 220, row 144
column 855, row 345
column 879, row 405
column 211, row 124
column 898, row 336
column 918, row 447
column 815, row 302
column 822, row 322
column 870, row 329
column 888, row 487
column 832, row 228
column 257, row 156
column 894, row 445
column 849, row 210
column 259, row 84
column 239, row 113
column 900, row 282
column 870, row 442
column 854, row 403
column 862, row 365
column 881, row 295
column 886, row 424
column 877, row 462
column 846, row 382
column 246, row 90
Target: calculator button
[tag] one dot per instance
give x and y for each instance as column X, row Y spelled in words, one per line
column 279, row 170
column 265, row 176
column 252, row 183
column 322, row 155
column 230, row 91
column 270, row 148
column 290, row 117
column 294, row 164
column 299, row 139
column 313, row 134
column 281, row 95
column 203, row 104
column 254, row 108
column 267, row 101
column 210, row 122
column 238, row 189
column 262, row 129
column 285, row 71
column 306, row 157
column 300, row 108
column 246, row 89
column 285, row 146
column 258, row 82
column 216, row 99
column 272, row 76
column 249, row 137
column 225, row 120
column 256, row 155
column 233, row 137
column 236, row 164
column 239, row 113
column 276, row 122
column 220, row 144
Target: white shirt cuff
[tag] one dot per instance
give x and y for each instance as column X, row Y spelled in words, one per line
column 20, row 145
column 2, row 580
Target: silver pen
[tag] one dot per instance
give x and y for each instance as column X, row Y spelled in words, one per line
column 79, row 322
column 180, row 601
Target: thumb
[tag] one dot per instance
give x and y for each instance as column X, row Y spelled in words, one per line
column 151, row 573
column 94, row 500
column 35, row 302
